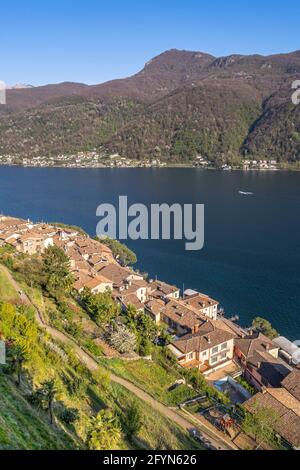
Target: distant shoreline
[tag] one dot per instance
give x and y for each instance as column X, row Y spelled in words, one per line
column 167, row 166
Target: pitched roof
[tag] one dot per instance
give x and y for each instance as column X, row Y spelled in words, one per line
column 285, row 406
column 199, row 301
column 182, row 315
column 207, row 337
column 131, row 299
column 155, row 306
column 251, row 344
column 160, row 288
column 116, row 273
column 226, row 324
column 286, row 345
column 271, row 369
column 292, row 383
column 97, row 281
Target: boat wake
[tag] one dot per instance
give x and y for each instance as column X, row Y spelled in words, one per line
column 246, row 193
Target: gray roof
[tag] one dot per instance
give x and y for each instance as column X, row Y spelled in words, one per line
column 286, row 345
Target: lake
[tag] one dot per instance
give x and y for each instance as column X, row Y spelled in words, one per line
column 251, row 258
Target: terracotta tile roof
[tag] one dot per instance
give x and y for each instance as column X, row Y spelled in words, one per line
column 155, row 306
column 199, row 301
column 135, row 285
column 160, row 288
column 95, row 259
column 292, row 383
column 7, row 222
column 131, row 299
column 285, row 406
column 116, row 273
column 182, row 315
column 32, row 235
column 230, row 326
column 272, row 370
column 81, row 242
column 250, row 345
column 207, row 337
column 97, row 281
column 81, row 281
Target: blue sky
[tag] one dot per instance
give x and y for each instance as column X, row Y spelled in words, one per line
column 93, row 41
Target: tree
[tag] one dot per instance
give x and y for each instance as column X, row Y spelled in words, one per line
column 101, row 307
column 122, row 339
column 145, row 347
column 131, row 312
column 56, row 269
column 104, row 432
column 49, row 392
column 132, row 421
column 260, row 423
column 121, row 252
column 146, row 327
column 32, row 270
column 16, row 358
column 264, row 326
column 131, row 316
column 18, row 328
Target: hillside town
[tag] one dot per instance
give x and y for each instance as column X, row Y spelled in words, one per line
column 201, row 336
column 101, row 159
column 88, row 159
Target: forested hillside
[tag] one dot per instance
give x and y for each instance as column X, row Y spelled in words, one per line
column 179, row 105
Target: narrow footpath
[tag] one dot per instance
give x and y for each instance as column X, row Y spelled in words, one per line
column 218, row 441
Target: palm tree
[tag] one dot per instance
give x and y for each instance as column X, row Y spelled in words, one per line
column 131, row 311
column 49, row 392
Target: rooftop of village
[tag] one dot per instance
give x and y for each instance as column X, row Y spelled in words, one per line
column 201, row 336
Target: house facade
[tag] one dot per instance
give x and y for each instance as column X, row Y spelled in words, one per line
column 201, row 303
column 207, row 350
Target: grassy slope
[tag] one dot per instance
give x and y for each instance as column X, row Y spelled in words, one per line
column 7, row 291
column 157, row 432
column 151, row 377
column 21, row 426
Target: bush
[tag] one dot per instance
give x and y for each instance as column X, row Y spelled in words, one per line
column 93, row 348
column 74, row 329
column 242, row 381
column 264, row 326
column 145, row 348
column 132, row 421
column 69, row 415
column 122, row 339
column 120, row 251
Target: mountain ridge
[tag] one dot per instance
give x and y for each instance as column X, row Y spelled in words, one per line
column 172, row 108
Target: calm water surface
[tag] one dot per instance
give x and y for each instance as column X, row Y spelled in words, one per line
column 251, row 258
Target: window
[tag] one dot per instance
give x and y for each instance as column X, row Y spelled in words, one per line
column 223, row 346
column 190, row 356
column 215, row 350
column 223, row 356
column 213, row 360
column 204, row 354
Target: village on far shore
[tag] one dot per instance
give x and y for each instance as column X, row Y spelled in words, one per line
column 201, row 336
column 99, row 159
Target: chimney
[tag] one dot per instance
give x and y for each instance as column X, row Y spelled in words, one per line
column 208, row 339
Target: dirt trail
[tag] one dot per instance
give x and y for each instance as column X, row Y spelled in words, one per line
column 215, row 439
